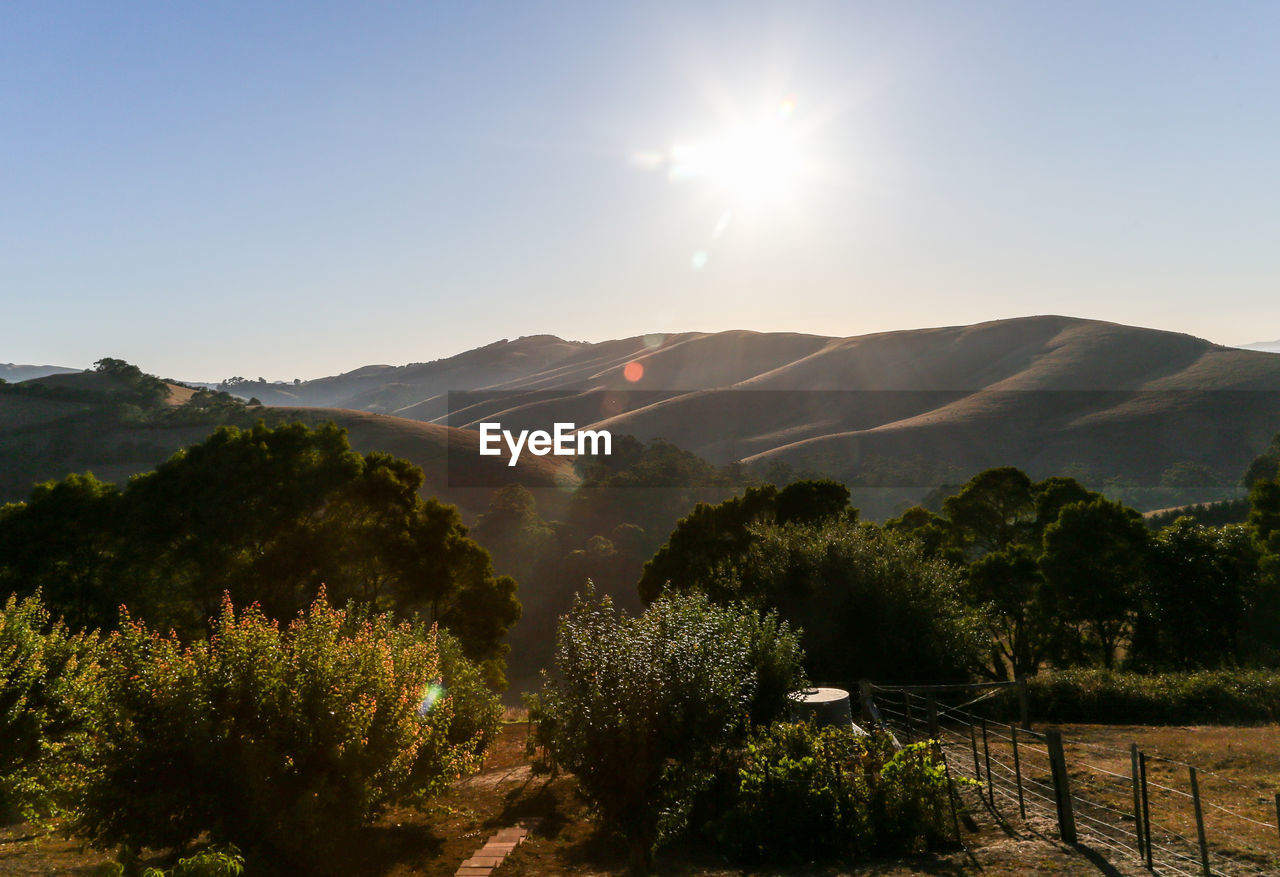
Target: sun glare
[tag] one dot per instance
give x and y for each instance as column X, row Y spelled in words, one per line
column 757, row 161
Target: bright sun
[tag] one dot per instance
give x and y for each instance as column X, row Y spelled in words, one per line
column 752, row 162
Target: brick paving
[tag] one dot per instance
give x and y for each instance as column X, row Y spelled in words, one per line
column 490, row 856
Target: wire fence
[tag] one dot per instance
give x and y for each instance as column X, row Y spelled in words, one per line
column 1171, row 816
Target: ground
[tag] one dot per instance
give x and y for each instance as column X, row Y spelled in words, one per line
column 432, row 842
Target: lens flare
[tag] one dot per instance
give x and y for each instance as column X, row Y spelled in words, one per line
column 633, row 371
column 431, row 693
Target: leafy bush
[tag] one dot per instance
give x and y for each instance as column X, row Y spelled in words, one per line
column 209, row 862
column 808, row 793
column 477, row 711
column 282, row 742
column 41, row 668
column 870, row 603
column 1211, row 697
column 643, row 705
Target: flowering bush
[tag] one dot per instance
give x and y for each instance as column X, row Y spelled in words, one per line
column 281, row 742
column 42, row 667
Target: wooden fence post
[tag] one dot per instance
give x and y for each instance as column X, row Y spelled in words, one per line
column 1024, row 707
column 1204, row 845
column 906, row 703
column 1146, row 808
column 973, row 741
column 951, row 793
column 986, row 754
column 1137, row 795
column 1061, row 788
column 1017, row 771
column 864, row 695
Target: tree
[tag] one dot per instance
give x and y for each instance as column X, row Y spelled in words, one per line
column 140, row 388
column 61, row 543
column 1266, row 466
column 1263, row 620
column 1007, row 585
column 869, row 604
column 715, row 534
column 513, row 532
column 995, row 509
column 267, row 515
column 1052, row 496
column 1192, row 602
column 702, row 539
column 811, row 501
column 1092, row 563
column 936, row 535
column 641, row 705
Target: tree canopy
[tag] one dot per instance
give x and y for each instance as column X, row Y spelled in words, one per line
column 267, row 515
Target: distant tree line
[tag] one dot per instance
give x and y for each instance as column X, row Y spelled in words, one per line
column 1013, row 576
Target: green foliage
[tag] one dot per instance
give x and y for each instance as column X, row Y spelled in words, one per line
column 1210, row 514
column 1265, row 467
column 1217, row 697
column 1093, row 562
column 1193, row 599
column 996, row 509
column 806, row 793
column 708, row 535
column 662, row 482
column 1264, row 515
column 61, row 543
column 936, row 535
column 211, row 862
column 810, row 501
column 282, row 742
column 712, row 535
column 641, row 706
column 42, row 670
column 267, row 514
column 1008, row 586
column 477, row 711
column 870, row 603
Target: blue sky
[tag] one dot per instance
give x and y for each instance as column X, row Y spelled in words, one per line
column 293, row 190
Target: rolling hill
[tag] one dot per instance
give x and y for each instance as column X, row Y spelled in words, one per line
column 1046, row 393
column 74, row 427
column 14, row 373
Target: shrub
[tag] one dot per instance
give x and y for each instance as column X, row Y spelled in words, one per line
column 644, row 704
column 807, row 793
column 477, row 711
column 870, row 603
column 41, row 670
column 1208, row 697
column 282, row 742
column 209, row 862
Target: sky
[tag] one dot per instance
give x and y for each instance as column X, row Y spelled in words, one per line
column 292, row 190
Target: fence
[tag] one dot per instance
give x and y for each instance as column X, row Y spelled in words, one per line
column 1173, row 817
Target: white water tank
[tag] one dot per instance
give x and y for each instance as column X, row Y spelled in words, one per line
column 826, row 706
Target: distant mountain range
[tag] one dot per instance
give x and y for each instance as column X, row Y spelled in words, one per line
column 912, row 408
column 1048, row 393
column 1267, row 346
column 14, row 373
